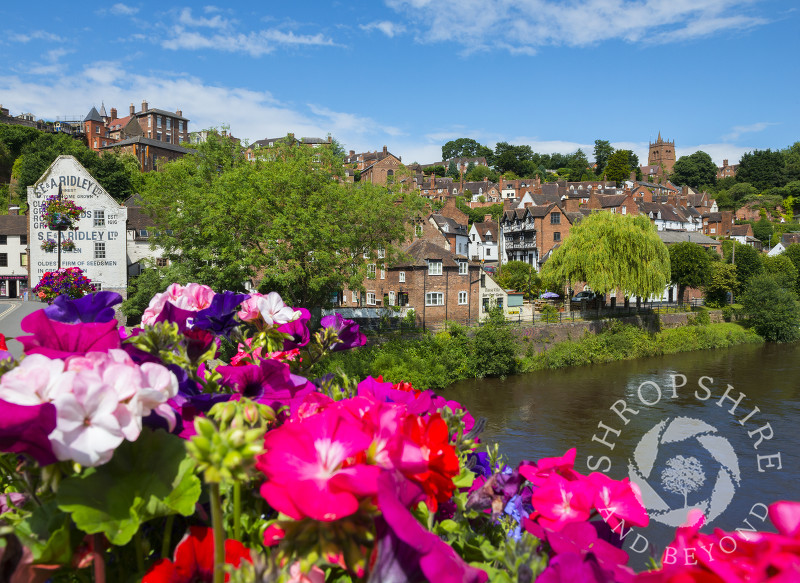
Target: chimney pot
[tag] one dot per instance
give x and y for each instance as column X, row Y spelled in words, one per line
column 180, row 113
column 144, row 106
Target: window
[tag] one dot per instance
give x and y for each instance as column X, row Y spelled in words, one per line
column 3, row 239
column 3, row 259
column 381, row 252
column 370, row 298
column 401, row 277
column 434, row 267
column 99, row 218
column 355, row 297
column 97, row 131
column 383, row 272
column 556, row 236
column 23, row 259
column 180, row 125
column 169, row 123
column 391, row 299
column 371, row 271
column 418, row 230
column 158, row 136
column 99, row 250
column 463, row 266
column 23, row 239
column 499, row 302
column 555, row 218
column 158, row 121
column 462, row 298
column 161, row 262
column 434, row 299
column 624, row 210
column 150, row 121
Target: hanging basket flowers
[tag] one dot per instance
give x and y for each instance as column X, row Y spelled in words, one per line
column 60, row 214
column 68, row 245
column 69, row 281
column 49, row 245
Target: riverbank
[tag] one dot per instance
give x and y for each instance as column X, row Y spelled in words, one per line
column 435, row 361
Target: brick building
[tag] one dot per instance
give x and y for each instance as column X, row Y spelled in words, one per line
column 150, row 153
column 531, row 233
column 726, row 170
column 379, row 167
column 104, row 130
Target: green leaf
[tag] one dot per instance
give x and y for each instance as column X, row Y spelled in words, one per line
column 465, row 478
column 145, row 479
column 46, row 533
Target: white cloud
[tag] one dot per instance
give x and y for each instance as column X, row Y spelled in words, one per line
column 120, row 9
column 737, row 131
column 390, row 29
column 254, row 44
column 520, row 26
column 185, row 17
column 719, row 152
column 251, row 115
column 35, row 35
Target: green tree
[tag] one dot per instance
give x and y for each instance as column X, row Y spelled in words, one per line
column 618, row 168
column 695, row 170
column 466, row 148
column 494, row 347
column 516, row 159
column 602, row 152
column 285, row 221
column 519, row 276
column 748, row 263
column 612, row 251
column 721, row 282
column 793, row 253
column 773, row 309
column 782, row 270
column 689, row 266
column 763, row 229
column 791, row 159
column 452, row 171
column 762, row 168
column 478, row 173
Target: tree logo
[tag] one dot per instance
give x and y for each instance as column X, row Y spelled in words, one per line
column 672, row 463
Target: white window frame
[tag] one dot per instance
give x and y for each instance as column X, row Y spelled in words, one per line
column 434, row 299
column 99, row 250
column 381, row 253
column 383, row 271
column 355, row 297
column 401, row 277
column 99, row 219
column 463, row 268
column 371, row 271
column 463, row 298
column 434, row 267
column 370, row 298
column 392, row 299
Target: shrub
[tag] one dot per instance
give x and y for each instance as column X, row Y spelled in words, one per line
column 773, row 309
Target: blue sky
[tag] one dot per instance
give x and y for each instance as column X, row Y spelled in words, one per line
column 718, row 75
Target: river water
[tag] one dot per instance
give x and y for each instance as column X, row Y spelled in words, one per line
column 726, row 442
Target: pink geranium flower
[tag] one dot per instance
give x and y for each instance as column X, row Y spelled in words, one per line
column 267, row 310
column 192, row 297
column 311, row 467
column 559, row 502
column 618, row 501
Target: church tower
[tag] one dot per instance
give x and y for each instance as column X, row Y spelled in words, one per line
column 662, row 153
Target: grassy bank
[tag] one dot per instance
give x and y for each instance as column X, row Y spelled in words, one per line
column 435, row 361
column 626, row 342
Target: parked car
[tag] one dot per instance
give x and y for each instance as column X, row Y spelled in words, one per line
column 490, row 269
column 587, row 295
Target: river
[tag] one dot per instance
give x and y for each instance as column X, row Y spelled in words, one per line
column 727, row 441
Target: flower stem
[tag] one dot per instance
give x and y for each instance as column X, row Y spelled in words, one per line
column 137, row 543
column 99, row 563
column 219, row 532
column 167, row 536
column 237, row 510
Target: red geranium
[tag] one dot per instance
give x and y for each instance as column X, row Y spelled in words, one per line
column 194, row 559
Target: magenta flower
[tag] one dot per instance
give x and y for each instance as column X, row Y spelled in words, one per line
column 309, row 469
column 618, row 501
column 346, row 331
column 406, row 550
column 297, row 329
column 25, row 429
column 96, row 307
column 270, row 382
column 58, row 340
column 559, row 502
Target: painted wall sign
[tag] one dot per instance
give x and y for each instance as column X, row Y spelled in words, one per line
column 100, row 243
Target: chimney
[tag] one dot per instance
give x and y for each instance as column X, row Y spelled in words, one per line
column 352, row 153
column 487, row 218
column 685, row 190
column 144, row 106
column 433, row 179
column 113, row 113
column 633, row 176
column 180, row 113
column 13, row 210
column 385, row 151
column 133, row 109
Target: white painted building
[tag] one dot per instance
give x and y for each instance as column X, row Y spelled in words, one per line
column 13, row 255
column 483, row 242
column 100, row 238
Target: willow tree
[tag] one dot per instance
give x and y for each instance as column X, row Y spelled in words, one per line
column 612, row 252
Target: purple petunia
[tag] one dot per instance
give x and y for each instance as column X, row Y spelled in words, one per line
column 346, row 331
column 96, row 307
